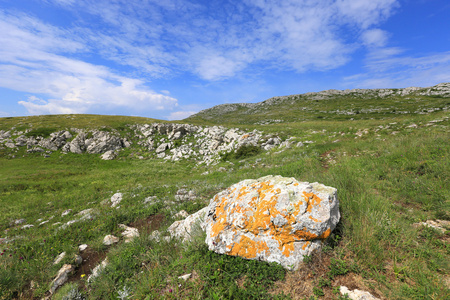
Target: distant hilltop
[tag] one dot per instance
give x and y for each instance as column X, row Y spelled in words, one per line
column 325, row 101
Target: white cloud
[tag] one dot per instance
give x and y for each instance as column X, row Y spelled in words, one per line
column 374, row 38
column 32, row 60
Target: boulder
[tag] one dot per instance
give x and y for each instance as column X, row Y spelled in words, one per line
column 274, row 219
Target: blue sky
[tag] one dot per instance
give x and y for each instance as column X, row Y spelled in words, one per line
column 169, row 59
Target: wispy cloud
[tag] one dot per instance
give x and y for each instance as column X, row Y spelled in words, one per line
column 391, row 67
column 219, row 40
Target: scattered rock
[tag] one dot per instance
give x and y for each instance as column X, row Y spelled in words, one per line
column 78, row 259
column 110, row 239
column 27, row 226
column 274, row 219
column 439, row 225
column 185, row 277
column 19, row 221
column 356, row 294
column 184, row 229
column 115, row 199
column 59, row 258
column 109, row 155
column 61, row 277
column 130, row 233
column 66, row 212
column 185, row 195
column 83, row 247
column 97, row 270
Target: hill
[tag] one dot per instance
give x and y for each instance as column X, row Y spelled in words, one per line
column 331, row 104
column 386, row 151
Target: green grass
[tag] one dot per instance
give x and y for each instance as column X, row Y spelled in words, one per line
column 385, row 183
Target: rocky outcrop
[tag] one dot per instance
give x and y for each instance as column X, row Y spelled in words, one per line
column 274, row 219
column 162, row 140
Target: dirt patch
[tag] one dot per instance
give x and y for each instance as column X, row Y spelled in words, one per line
column 91, row 259
column 149, row 224
column 327, row 158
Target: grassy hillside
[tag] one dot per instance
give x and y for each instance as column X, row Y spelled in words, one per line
column 391, row 171
column 331, row 105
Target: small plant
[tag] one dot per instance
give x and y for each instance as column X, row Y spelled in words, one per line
column 337, row 267
column 318, row 292
column 43, row 132
column 307, row 259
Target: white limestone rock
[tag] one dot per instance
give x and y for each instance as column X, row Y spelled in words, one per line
column 184, row 229
column 116, row 199
column 110, row 239
column 273, row 218
column 130, row 233
column 109, row 155
column 356, row 294
column 61, row 277
column 59, row 258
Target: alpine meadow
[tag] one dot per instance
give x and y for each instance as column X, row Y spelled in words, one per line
column 86, row 201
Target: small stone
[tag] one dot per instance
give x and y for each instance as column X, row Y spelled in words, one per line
column 115, row 199
column 59, row 258
column 82, row 247
column 185, row 277
column 109, row 240
column 130, row 233
column 27, row 226
column 19, row 221
column 356, row 294
column 66, row 212
column 78, row 259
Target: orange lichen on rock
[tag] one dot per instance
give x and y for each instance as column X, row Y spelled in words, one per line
column 273, row 219
column 248, row 248
column 312, row 200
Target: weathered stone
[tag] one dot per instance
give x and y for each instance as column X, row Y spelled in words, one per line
column 78, row 259
column 163, row 147
column 110, row 239
column 275, row 219
column 115, row 199
column 59, row 258
column 439, row 225
column 185, row 277
column 61, row 277
column 185, row 195
column 97, row 270
column 66, row 212
column 130, row 233
column 109, row 155
column 356, row 294
column 83, row 247
column 184, row 229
